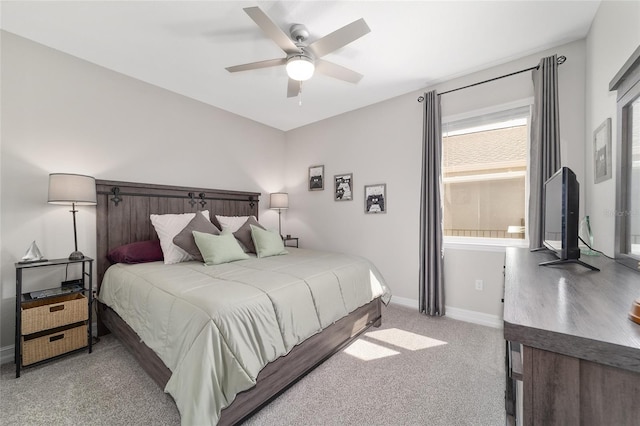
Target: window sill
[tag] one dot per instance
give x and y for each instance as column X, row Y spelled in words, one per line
column 482, row 244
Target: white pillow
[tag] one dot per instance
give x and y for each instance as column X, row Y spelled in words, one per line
column 167, row 226
column 232, row 223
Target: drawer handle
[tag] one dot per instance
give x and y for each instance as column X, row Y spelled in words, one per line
column 56, row 308
column 58, row 337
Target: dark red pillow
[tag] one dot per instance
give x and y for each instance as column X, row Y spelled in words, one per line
column 139, row 252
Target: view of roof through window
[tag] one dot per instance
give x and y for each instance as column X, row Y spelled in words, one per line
column 484, row 163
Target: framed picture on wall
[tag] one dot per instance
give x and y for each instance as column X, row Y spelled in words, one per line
column 375, row 198
column 316, row 178
column 602, row 152
column 343, row 187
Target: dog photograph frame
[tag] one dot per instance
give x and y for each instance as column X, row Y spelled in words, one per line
column 375, row 198
column 343, row 187
column 316, row 178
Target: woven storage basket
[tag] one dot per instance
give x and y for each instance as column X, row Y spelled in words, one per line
column 45, row 314
column 54, row 344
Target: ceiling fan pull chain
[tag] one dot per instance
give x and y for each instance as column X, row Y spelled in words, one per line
column 300, row 95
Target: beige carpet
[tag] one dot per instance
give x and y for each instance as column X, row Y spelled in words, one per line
column 414, row 370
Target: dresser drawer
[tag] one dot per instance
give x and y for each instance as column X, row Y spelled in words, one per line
column 50, row 345
column 46, row 314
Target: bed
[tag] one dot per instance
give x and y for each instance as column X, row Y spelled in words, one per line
column 260, row 360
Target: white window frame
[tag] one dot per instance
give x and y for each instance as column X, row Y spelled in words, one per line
column 492, row 244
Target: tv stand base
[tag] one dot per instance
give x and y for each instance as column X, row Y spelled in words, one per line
column 561, row 261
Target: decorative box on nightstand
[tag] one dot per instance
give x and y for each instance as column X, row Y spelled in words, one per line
column 54, row 321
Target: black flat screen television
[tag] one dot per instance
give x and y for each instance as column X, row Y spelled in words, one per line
column 561, row 217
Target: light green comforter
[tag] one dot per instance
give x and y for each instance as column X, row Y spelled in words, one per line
column 216, row 327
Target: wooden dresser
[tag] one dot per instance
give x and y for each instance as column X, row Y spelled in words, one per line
column 580, row 351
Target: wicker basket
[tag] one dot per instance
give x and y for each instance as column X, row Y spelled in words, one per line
column 54, row 344
column 46, row 314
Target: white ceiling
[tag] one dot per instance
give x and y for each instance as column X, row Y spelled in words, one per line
column 185, row 46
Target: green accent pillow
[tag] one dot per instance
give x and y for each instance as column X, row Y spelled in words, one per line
column 217, row 249
column 267, row 243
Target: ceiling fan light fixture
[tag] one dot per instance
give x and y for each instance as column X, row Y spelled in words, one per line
column 300, row 67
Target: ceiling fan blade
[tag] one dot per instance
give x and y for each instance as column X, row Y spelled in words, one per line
column 271, row 29
column 337, row 71
column 257, row 65
column 293, row 88
column 339, row 38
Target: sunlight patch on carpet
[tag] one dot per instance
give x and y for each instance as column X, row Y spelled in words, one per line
column 404, row 339
column 368, row 351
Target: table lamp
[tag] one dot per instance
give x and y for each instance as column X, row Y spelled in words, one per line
column 65, row 189
column 279, row 201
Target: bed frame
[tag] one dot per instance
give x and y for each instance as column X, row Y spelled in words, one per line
column 122, row 217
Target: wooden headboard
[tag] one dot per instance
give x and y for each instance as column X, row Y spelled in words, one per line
column 123, row 211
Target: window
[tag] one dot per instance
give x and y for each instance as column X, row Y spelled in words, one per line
column 627, row 210
column 633, row 180
column 484, row 171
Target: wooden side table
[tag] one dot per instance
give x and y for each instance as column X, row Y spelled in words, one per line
column 54, row 321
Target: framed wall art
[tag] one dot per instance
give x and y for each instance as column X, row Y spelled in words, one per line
column 375, row 198
column 602, row 152
column 316, row 178
column 343, row 189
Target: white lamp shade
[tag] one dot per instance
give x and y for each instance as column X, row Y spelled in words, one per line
column 66, row 188
column 279, row 200
column 300, row 68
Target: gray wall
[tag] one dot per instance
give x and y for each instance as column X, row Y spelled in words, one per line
column 63, row 114
column 614, row 36
column 382, row 144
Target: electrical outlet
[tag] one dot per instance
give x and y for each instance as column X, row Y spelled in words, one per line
column 479, row 285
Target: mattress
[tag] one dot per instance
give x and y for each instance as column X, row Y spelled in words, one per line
column 216, row 327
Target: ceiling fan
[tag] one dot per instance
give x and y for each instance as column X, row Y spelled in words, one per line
column 303, row 59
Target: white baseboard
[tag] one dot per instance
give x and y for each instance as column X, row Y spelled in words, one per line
column 456, row 313
column 474, row 317
column 403, row 301
column 7, row 352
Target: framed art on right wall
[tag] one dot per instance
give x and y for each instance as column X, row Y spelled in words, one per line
column 375, row 198
column 602, row 163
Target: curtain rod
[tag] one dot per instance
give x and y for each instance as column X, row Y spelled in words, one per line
column 561, row 60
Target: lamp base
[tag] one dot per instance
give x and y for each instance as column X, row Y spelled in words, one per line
column 76, row 255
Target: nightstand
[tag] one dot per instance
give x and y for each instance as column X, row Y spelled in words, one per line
column 54, row 321
column 294, row 240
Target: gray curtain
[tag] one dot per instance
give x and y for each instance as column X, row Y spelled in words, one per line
column 431, row 252
column 545, row 143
